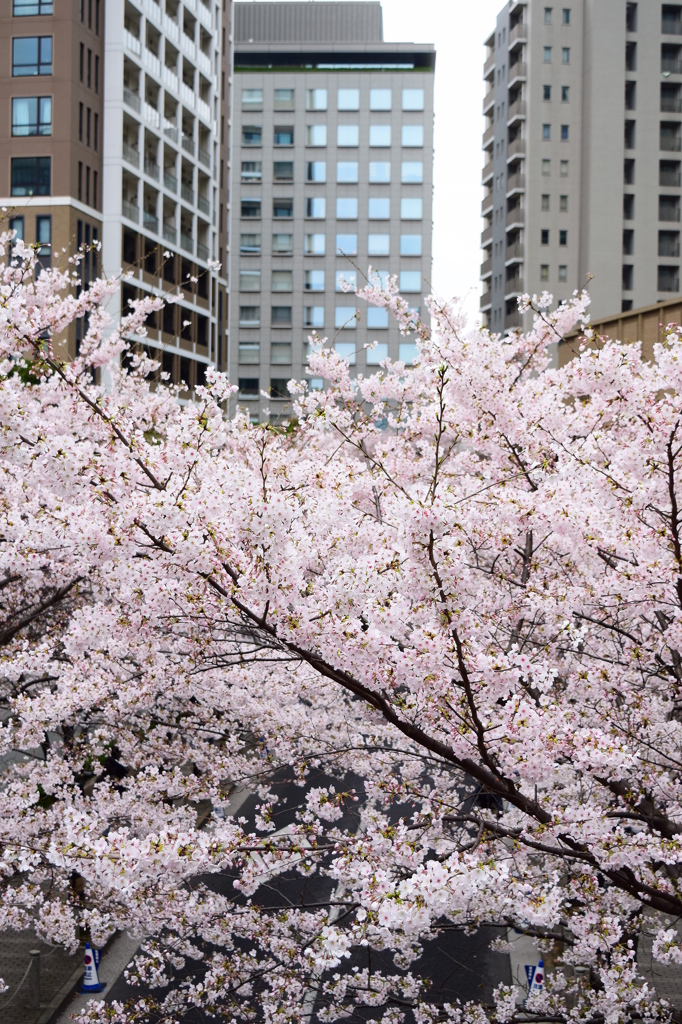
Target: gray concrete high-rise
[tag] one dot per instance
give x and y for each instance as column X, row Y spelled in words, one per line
column 583, row 145
column 332, row 171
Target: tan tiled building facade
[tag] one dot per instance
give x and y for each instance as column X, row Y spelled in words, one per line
column 116, row 131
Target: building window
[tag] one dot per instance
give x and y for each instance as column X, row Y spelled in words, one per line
column 410, row 281
column 412, row 172
column 280, row 316
column 546, row 132
column 668, row 244
column 544, row 205
column 378, row 245
column 631, row 56
column 379, row 99
column 316, row 99
column 88, row 122
column 249, row 280
column 284, row 99
column 379, row 208
column 89, row 69
column 348, row 99
column 346, row 245
column 346, row 208
column 282, row 208
column 80, row 179
column 313, row 281
column 82, row 61
column 80, row 122
column 32, row 115
column 544, row 236
column 563, row 168
column 378, row 352
column 250, row 244
column 282, row 281
column 380, row 135
column 44, row 242
column 411, row 209
column 563, row 204
column 566, row 16
column 345, row 279
column 283, row 170
column 377, row 319
column 316, row 170
column 547, row 92
column 348, row 135
column 252, row 99
column 408, row 352
column 410, row 245
column 547, row 54
column 96, row 131
column 563, row 273
column 16, row 225
column 252, row 135
column 252, row 170
column 249, row 316
column 548, row 15
column 563, row 237
column 629, row 206
column 379, row 172
column 546, row 165
column 284, row 135
column 413, row 135
column 631, row 17
column 251, row 208
column 316, row 135
column 96, row 73
column 544, row 272
column 565, row 55
column 316, row 207
column 31, row 176
column 313, row 316
column 280, row 352
column 564, row 133
column 413, row 99
column 282, row 243
column 669, row 173
column 345, row 318
column 249, row 387
column 32, row 55
column 347, row 172
column 249, row 352
column 565, row 93
column 314, row 245
column 24, row 8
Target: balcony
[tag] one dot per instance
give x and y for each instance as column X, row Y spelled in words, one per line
column 487, row 172
column 153, row 11
column 131, row 211
column 132, row 100
column 488, row 101
column 671, row 143
column 152, row 169
column 486, row 269
column 488, row 136
column 670, row 179
column 170, row 79
column 516, row 183
column 171, row 29
column 516, row 112
column 671, row 104
column 152, row 65
column 204, row 111
column 170, row 181
column 486, row 237
column 513, row 286
column 203, row 252
column 512, row 321
column 204, row 205
column 671, row 66
column 515, row 218
column 151, row 115
column 187, row 243
column 170, row 131
column 486, row 302
column 132, row 43
column 517, row 73
column 672, row 26
column 131, row 155
column 188, row 144
column 204, row 64
column 516, row 149
column 190, row 47
column 169, row 233
column 187, row 193
column 205, row 158
column 487, row 205
column 187, row 95
column 150, row 222
column 514, row 253
column 489, row 65
column 518, row 35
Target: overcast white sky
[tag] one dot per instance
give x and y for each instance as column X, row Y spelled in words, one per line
column 458, row 29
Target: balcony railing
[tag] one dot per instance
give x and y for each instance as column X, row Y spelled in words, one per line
column 489, row 100
column 669, row 250
column 204, row 157
column 516, row 183
column 203, row 252
column 517, row 72
column 669, row 213
column 151, row 222
column 671, row 143
column 152, row 169
column 204, row 205
column 131, row 155
column 512, row 320
column 187, row 95
column 187, row 193
column 204, row 111
column 153, row 64
column 170, row 131
column 671, row 104
column 487, row 204
column 514, row 252
column 671, row 26
column 188, row 144
column 204, row 63
column 486, row 268
column 189, row 46
column 486, row 301
column 515, row 216
column 489, row 65
column 131, row 42
column 513, row 286
column 186, row 242
column 131, row 211
column 516, row 111
column 670, row 179
column 671, row 66
column 151, row 115
column 170, row 233
column 516, row 148
column 487, row 172
column 132, row 100
column 486, row 237
column 170, row 28
column 170, row 181
column 519, row 34
column 170, row 79
column 488, row 136
column 153, row 11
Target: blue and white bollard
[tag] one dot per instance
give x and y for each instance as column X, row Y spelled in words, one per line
column 91, row 982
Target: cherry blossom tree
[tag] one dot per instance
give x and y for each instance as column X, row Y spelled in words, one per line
column 452, row 592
